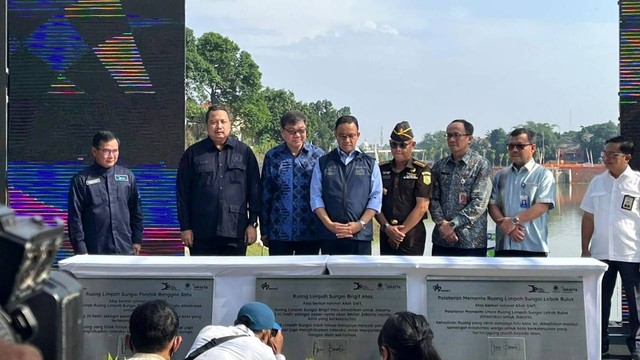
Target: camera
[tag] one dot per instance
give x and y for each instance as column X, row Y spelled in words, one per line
column 37, row 305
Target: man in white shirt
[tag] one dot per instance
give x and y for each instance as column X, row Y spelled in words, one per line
column 611, row 233
column 254, row 336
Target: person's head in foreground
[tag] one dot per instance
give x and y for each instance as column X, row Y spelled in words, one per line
column 406, row 336
column 259, row 318
column 153, row 329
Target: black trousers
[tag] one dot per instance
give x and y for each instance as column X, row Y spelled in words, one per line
column 346, row 247
column 519, row 253
column 413, row 243
column 630, row 275
column 294, row 247
column 219, row 246
column 437, row 250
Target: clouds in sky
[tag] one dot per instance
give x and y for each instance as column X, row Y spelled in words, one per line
column 495, row 62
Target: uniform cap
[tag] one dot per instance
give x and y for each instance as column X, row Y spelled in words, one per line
column 402, row 132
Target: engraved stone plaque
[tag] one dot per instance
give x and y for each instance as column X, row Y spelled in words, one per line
column 507, row 318
column 109, row 302
column 332, row 317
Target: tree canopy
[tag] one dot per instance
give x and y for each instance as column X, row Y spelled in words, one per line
column 218, row 71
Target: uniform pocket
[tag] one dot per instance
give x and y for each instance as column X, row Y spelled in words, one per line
column 98, row 195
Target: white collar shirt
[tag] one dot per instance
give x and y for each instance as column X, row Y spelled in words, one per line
column 615, row 205
column 246, row 347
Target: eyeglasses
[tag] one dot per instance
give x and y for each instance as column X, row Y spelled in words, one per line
column 398, row 145
column 455, row 136
column 106, row 152
column 611, row 155
column 292, row 132
column 518, row 146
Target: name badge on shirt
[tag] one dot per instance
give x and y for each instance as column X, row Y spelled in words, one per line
column 462, row 198
column 627, row 202
column 93, row 181
column 524, row 201
column 122, row 178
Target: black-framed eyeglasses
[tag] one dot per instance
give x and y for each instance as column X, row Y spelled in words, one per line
column 106, row 152
column 296, row 131
column 398, row 145
column 455, row 136
column 517, row 146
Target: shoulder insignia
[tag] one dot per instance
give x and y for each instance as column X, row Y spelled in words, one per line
column 419, row 163
column 426, row 177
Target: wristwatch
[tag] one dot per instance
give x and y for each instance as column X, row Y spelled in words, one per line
column 386, row 225
column 515, row 220
column 362, row 223
column 452, row 224
column 255, row 224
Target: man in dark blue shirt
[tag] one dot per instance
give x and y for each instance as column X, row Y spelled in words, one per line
column 287, row 223
column 104, row 211
column 218, row 191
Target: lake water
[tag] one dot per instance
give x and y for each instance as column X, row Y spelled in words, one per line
column 564, row 223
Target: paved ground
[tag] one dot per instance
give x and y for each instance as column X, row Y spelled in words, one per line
column 619, row 352
column 617, row 346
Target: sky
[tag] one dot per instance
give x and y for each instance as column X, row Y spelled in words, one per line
column 495, row 63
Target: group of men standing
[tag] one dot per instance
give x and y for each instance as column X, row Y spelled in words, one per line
column 306, row 201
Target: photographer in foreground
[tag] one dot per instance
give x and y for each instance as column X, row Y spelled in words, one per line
column 254, row 336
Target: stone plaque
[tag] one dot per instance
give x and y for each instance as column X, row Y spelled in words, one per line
column 109, row 302
column 506, row 318
column 332, row 317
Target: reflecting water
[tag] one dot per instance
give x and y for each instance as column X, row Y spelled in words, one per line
column 564, row 223
column 565, row 219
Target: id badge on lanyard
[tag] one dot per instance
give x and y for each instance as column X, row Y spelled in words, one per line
column 524, row 199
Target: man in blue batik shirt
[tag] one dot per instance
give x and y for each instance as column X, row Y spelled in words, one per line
column 287, row 223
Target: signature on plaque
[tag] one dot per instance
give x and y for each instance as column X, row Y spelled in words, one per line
column 506, row 348
column 329, row 348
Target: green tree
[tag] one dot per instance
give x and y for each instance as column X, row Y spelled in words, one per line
column 497, row 139
column 322, row 117
column 434, row 145
column 198, row 72
column 279, row 101
column 236, row 80
column 593, row 137
column 217, row 70
column 547, row 140
column 481, row 146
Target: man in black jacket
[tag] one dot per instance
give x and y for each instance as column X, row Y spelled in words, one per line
column 104, row 211
column 218, row 191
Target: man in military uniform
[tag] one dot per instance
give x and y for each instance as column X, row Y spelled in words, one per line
column 104, row 211
column 405, row 200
